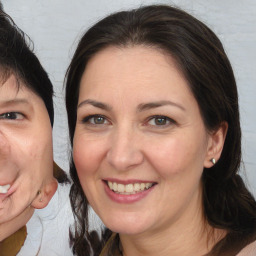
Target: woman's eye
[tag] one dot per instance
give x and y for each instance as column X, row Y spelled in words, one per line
column 95, row 119
column 12, row 116
column 160, row 121
column 98, row 120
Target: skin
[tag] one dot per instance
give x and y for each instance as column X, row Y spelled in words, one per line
column 26, row 156
column 128, row 144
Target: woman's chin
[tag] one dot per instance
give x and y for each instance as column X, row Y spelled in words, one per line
column 127, row 230
column 127, row 227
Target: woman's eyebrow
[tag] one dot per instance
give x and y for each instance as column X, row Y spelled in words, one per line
column 156, row 104
column 95, row 103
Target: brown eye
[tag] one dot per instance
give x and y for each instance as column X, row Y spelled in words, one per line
column 98, row 120
column 12, row 116
column 159, row 121
column 95, row 120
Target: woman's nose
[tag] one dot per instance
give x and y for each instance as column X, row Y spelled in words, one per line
column 125, row 152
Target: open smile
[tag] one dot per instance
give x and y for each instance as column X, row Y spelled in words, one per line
column 129, row 189
column 128, row 192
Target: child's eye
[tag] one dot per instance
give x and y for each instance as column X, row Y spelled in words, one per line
column 160, row 121
column 95, row 120
column 12, row 116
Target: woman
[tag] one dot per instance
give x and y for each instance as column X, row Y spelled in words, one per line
column 154, row 125
column 26, row 158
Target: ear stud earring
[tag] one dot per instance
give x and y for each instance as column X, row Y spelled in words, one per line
column 213, row 161
column 38, row 193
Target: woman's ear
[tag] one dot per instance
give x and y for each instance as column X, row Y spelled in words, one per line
column 215, row 145
column 45, row 194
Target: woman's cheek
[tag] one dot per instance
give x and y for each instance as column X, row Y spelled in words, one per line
column 79, row 160
column 167, row 157
column 85, row 155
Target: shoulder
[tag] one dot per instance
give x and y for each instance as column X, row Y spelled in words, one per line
column 249, row 250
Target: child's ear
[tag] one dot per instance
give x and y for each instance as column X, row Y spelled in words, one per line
column 215, row 145
column 45, row 194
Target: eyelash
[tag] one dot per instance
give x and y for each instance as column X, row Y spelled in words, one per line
column 86, row 120
column 167, row 120
column 10, row 115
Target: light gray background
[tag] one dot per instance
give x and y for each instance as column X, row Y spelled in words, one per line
column 56, row 25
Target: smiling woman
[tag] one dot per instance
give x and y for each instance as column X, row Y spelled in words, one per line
column 154, row 125
column 142, row 141
column 26, row 158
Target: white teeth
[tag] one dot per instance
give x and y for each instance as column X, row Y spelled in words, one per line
column 114, row 186
column 136, row 187
column 4, row 189
column 129, row 188
column 148, row 185
column 110, row 184
column 120, row 188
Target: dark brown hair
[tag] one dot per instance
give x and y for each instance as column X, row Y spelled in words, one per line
column 201, row 58
column 17, row 58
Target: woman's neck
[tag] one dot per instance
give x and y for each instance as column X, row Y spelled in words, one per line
column 185, row 244
column 189, row 235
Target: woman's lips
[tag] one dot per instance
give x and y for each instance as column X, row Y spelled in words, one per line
column 128, row 192
column 130, row 188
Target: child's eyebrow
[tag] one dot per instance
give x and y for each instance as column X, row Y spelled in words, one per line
column 14, row 102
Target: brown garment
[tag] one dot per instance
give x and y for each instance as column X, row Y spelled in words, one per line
column 12, row 244
column 112, row 248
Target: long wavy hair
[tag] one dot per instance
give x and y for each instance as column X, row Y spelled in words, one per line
column 201, row 58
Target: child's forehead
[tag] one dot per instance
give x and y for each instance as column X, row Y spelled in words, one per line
column 14, row 88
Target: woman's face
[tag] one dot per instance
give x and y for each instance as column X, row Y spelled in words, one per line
column 140, row 144
column 26, row 162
